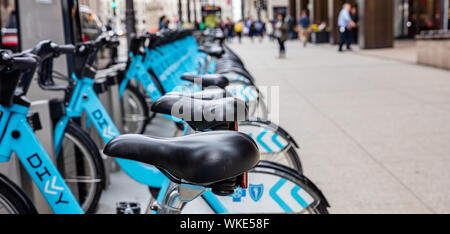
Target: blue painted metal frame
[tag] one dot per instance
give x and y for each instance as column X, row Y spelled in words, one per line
column 35, row 160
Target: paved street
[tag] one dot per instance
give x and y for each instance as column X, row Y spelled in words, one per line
column 374, row 132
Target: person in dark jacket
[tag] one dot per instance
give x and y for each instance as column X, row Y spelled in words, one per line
column 304, row 24
column 355, row 29
column 163, row 23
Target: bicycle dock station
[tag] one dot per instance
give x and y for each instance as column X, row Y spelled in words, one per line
column 79, row 111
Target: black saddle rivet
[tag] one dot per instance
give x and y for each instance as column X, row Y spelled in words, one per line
column 85, row 97
column 16, row 134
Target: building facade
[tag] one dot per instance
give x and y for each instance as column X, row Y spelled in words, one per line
column 148, row 12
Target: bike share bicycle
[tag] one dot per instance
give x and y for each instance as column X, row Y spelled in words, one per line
column 18, row 137
column 82, row 98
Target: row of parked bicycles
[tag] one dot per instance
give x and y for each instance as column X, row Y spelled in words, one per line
column 226, row 157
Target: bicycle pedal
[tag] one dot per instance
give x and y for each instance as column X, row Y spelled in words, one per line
column 128, row 208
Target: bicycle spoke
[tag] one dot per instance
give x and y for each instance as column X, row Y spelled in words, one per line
column 82, row 179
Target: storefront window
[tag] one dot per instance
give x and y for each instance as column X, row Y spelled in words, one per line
column 419, row 15
column 425, row 15
column 9, row 26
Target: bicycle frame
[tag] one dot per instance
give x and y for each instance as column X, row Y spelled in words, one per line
column 19, row 137
column 137, row 70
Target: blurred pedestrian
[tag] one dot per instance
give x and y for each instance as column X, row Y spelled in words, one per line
column 163, row 23
column 304, row 25
column 197, row 25
column 281, row 33
column 238, row 28
column 290, row 21
column 355, row 29
column 260, row 27
column 271, row 30
column 177, row 22
column 229, row 28
column 345, row 24
column 252, row 30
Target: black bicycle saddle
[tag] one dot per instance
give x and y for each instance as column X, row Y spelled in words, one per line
column 208, row 80
column 212, row 50
column 208, row 94
column 203, row 159
column 203, row 115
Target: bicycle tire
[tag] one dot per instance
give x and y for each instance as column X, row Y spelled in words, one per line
column 13, row 197
column 291, row 156
column 90, row 155
column 323, row 204
column 139, row 100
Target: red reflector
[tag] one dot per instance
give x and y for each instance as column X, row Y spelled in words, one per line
column 236, row 126
column 85, row 38
column 245, row 180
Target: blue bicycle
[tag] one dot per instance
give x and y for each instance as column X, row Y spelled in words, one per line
column 18, row 136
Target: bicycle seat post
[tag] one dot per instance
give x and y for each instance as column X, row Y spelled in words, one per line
column 176, row 197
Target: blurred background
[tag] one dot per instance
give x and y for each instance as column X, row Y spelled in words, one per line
column 373, row 123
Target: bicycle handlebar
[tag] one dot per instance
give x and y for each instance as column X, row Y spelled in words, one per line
column 15, row 68
column 65, row 49
column 93, row 46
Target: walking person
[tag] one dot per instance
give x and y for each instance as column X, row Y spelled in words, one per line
column 163, row 23
column 238, row 28
column 229, row 29
column 252, row 31
column 345, row 24
column 304, row 24
column 281, row 33
column 260, row 29
column 355, row 30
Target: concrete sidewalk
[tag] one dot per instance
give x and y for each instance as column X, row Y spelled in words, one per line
column 404, row 50
column 374, row 132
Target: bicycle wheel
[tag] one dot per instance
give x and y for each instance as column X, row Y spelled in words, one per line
column 81, row 166
column 13, row 200
column 274, row 143
column 135, row 110
column 273, row 189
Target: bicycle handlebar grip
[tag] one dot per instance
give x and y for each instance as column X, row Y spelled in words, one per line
column 114, row 43
column 17, row 62
column 100, row 42
column 66, row 49
column 5, row 60
column 23, row 63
